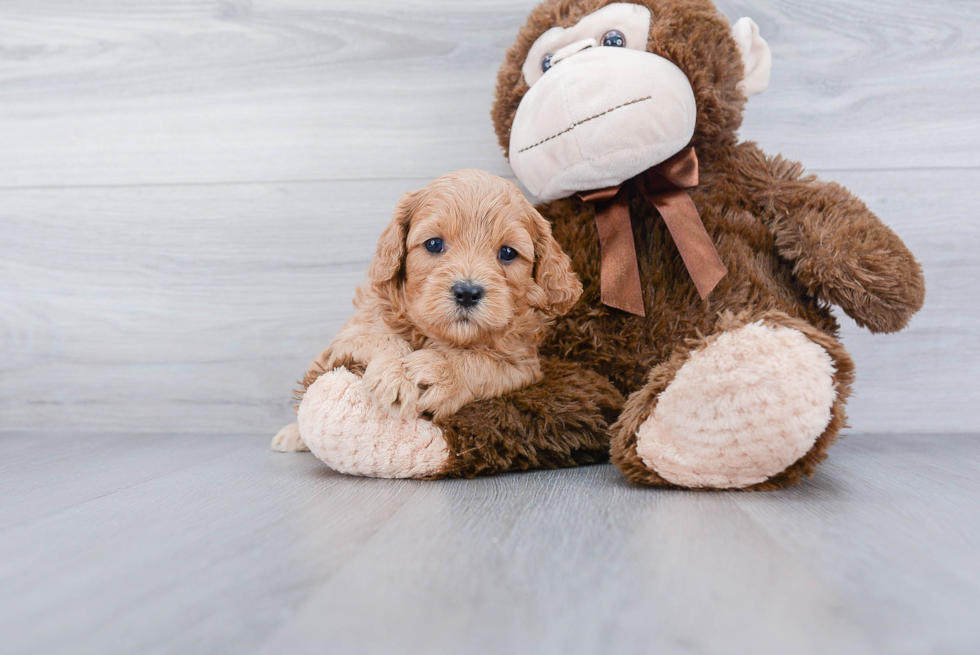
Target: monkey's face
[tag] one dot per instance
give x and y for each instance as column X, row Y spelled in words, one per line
column 604, row 93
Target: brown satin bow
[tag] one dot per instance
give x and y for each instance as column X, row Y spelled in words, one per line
column 664, row 185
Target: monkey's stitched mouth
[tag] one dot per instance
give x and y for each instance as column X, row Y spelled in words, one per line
column 584, row 120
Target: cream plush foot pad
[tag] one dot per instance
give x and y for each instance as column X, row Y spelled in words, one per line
column 350, row 434
column 288, row 440
column 741, row 410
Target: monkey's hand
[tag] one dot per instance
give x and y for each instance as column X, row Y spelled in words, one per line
column 839, row 249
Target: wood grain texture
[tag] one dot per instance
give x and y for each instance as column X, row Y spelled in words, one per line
column 157, row 273
column 196, row 91
column 195, row 308
column 253, row 551
column 41, row 474
column 217, row 545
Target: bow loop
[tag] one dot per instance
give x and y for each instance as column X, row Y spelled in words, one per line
column 678, row 172
column 600, row 195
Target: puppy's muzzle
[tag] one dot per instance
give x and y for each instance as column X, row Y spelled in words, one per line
column 468, row 294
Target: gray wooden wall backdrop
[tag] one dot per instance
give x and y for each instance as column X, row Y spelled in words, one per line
column 191, row 189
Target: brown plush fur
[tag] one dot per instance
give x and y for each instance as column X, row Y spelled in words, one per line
column 792, row 244
column 559, row 422
column 418, row 350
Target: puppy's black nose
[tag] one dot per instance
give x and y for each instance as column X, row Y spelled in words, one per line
column 467, row 294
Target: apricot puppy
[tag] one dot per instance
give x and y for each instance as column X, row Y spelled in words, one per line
column 465, row 278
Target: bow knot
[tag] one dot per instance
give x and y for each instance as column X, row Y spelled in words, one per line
column 663, row 185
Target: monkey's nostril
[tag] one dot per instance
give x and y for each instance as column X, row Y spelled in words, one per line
column 467, row 293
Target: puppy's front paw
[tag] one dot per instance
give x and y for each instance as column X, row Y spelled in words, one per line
column 387, row 385
column 435, row 376
column 442, row 400
column 427, row 368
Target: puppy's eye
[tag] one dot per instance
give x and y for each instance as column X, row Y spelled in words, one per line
column 434, row 246
column 546, row 63
column 507, row 254
column 614, row 38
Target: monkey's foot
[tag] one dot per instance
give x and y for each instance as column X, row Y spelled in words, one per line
column 739, row 410
column 350, row 434
column 288, row 440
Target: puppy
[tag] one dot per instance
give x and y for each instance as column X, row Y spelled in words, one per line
column 465, row 279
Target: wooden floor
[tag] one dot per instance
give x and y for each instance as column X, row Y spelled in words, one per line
column 181, row 544
column 189, row 193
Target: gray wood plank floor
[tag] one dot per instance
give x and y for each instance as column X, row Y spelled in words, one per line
column 221, row 546
column 189, row 193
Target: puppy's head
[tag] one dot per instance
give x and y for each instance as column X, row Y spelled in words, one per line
column 467, row 259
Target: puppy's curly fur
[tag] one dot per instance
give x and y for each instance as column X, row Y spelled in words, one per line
column 421, row 352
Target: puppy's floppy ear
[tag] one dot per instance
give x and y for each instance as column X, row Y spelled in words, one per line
column 556, row 287
column 386, row 268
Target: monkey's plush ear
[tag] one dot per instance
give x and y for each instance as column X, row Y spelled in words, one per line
column 756, row 57
column 556, row 287
column 386, row 268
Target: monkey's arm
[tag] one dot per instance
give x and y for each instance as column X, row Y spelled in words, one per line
column 840, row 250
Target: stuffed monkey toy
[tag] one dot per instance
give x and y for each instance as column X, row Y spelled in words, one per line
column 703, row 352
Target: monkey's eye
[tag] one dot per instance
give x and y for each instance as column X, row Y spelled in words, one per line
column 546, row 63
column 614, row 38
column 507, row 254
column 434, row 246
